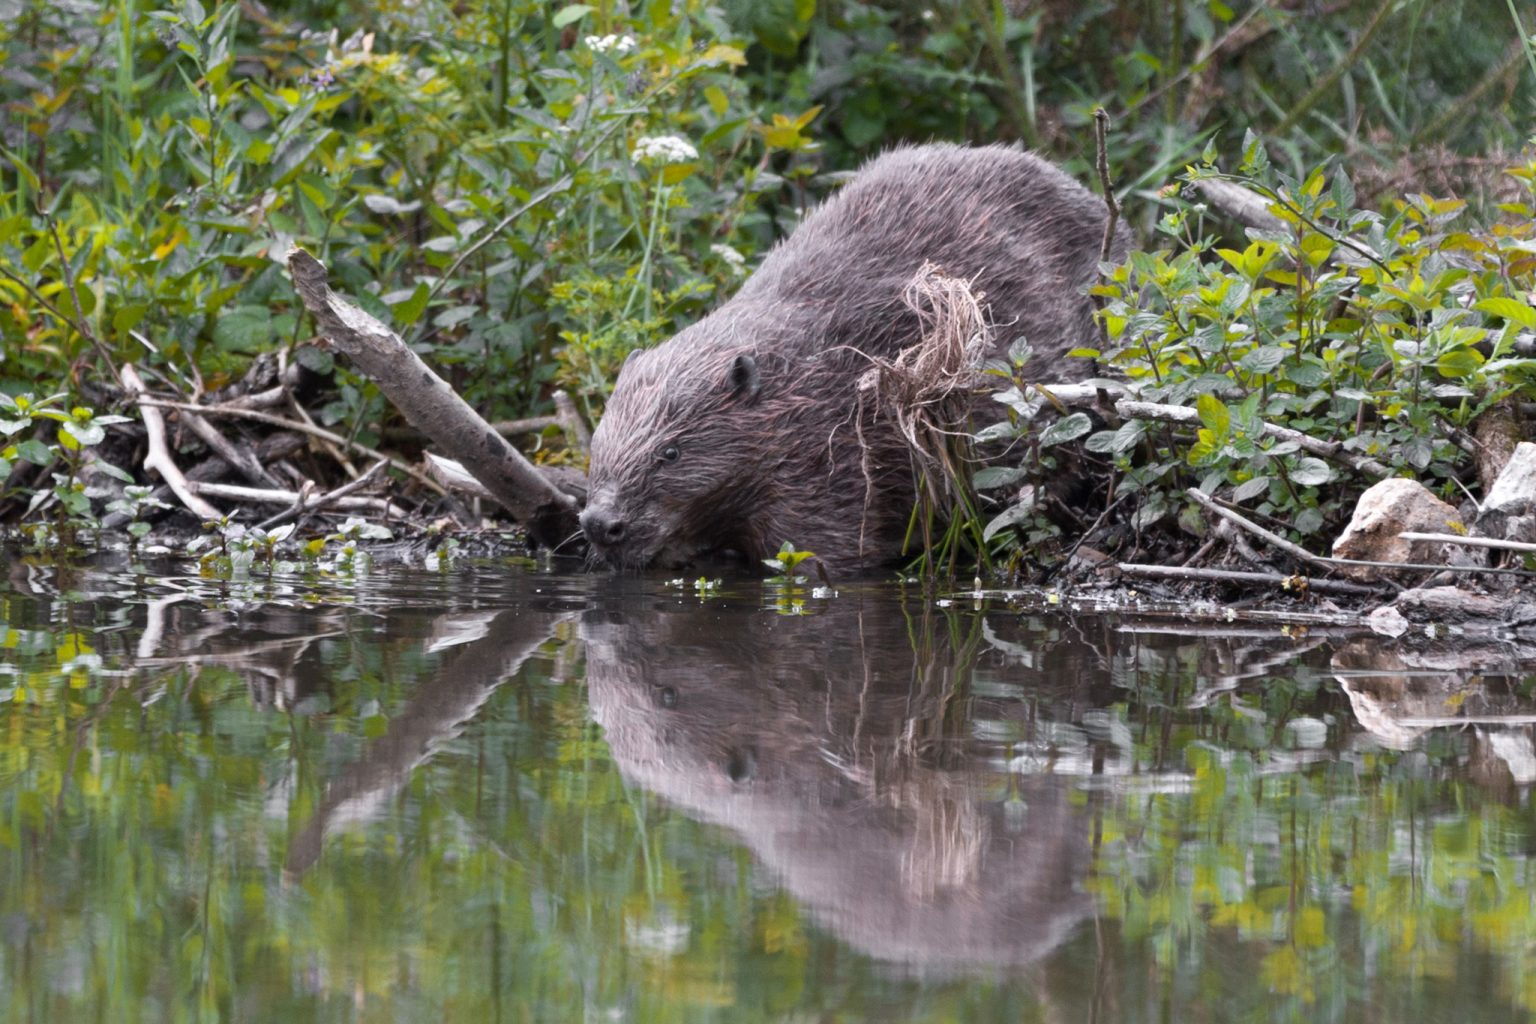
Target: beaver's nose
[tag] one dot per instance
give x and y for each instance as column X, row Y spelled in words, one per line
column 602, row 527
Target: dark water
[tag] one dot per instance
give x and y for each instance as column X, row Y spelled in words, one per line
column 494, row 795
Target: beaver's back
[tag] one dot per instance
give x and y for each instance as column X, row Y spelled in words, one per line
column 1027, row 234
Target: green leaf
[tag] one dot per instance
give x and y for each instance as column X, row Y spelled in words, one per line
column 1311, row 472
column 1117, row 442
column 1250, row 489
column 120, row 475
column 244, row 329
column 1461, row 362
column 1343, row 193
column 570, row 14
column 1307, row 521
column 1307, row 374
column 1509, row 309
column 1102, row 442
column 128, row 317
column 23, row 169
column 315, row 359
column 295, row 153
column 996, row 476
column 1009, row 517
column 1262, row 360
column 35, row 452
column 86, row 434
column 1068, row 428
column 409, row 309
column 1215, row 415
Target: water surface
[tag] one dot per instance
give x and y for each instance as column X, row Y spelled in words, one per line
column 495, row 794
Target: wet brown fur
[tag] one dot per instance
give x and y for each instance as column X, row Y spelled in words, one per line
column 758, row 398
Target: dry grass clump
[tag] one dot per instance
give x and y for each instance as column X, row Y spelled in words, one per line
column 927, row 391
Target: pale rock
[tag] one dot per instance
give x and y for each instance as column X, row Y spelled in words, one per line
column 1394, row 506
column 1509, row 509
column 1388, row 621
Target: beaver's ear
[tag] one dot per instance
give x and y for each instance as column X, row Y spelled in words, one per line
column 629, row 359
column 744, row 377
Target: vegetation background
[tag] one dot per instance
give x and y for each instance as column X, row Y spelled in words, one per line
column 529, row 190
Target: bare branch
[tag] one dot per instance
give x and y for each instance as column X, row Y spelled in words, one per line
column 432, row 406
column 159, row 458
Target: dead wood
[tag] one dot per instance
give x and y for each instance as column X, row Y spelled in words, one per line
column 308, row 502
column 242, row 460
column 269, row 451
column 1323, row 449
column 1301, row 554
column 298, row 500
column 1472, row 542
column 429, row 403
column 1496, row 433
column 1295, row 584
column 1243, row 205
column 298, row 426
column 159, row 458
column 577, row 435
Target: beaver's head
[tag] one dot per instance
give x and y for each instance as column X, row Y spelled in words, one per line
column 684, row 454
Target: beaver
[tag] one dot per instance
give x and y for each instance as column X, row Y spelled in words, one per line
column 832, row 747
column 738, row 434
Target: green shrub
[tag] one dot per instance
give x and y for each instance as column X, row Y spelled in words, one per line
column 1385, row 334
column 467, row 171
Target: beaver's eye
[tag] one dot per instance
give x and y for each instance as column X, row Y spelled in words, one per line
column 669, row 453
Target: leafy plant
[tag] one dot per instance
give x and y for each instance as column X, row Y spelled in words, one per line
column 74, row 431
column 1381, row 336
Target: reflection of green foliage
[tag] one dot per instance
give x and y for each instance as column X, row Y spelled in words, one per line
column 145, row 818
column 146, row 815
column 1294, row 872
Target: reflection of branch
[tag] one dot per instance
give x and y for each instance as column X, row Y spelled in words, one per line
column 463, row 682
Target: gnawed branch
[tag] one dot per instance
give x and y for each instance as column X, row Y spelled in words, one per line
column 434, row 408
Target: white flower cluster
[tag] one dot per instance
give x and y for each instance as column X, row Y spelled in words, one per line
column 610, row 44
column 735, row 260
column 664, row 149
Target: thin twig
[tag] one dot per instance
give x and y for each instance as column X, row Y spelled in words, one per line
column 334, row 449
column 1063, row 396
column 328, row 498
column 1101, row 163
column 1438, row 721
column 1270, row 197
column 241, row 460
column 576, row 433
column 527, row 425
column 1234, row 576
column 302, row 428
column 279, row 496
column 69, row 286
column 1302, row 554
column 1131, row 409
column 1474, row 542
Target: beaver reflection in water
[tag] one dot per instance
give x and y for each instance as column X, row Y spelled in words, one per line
column 738, row 433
